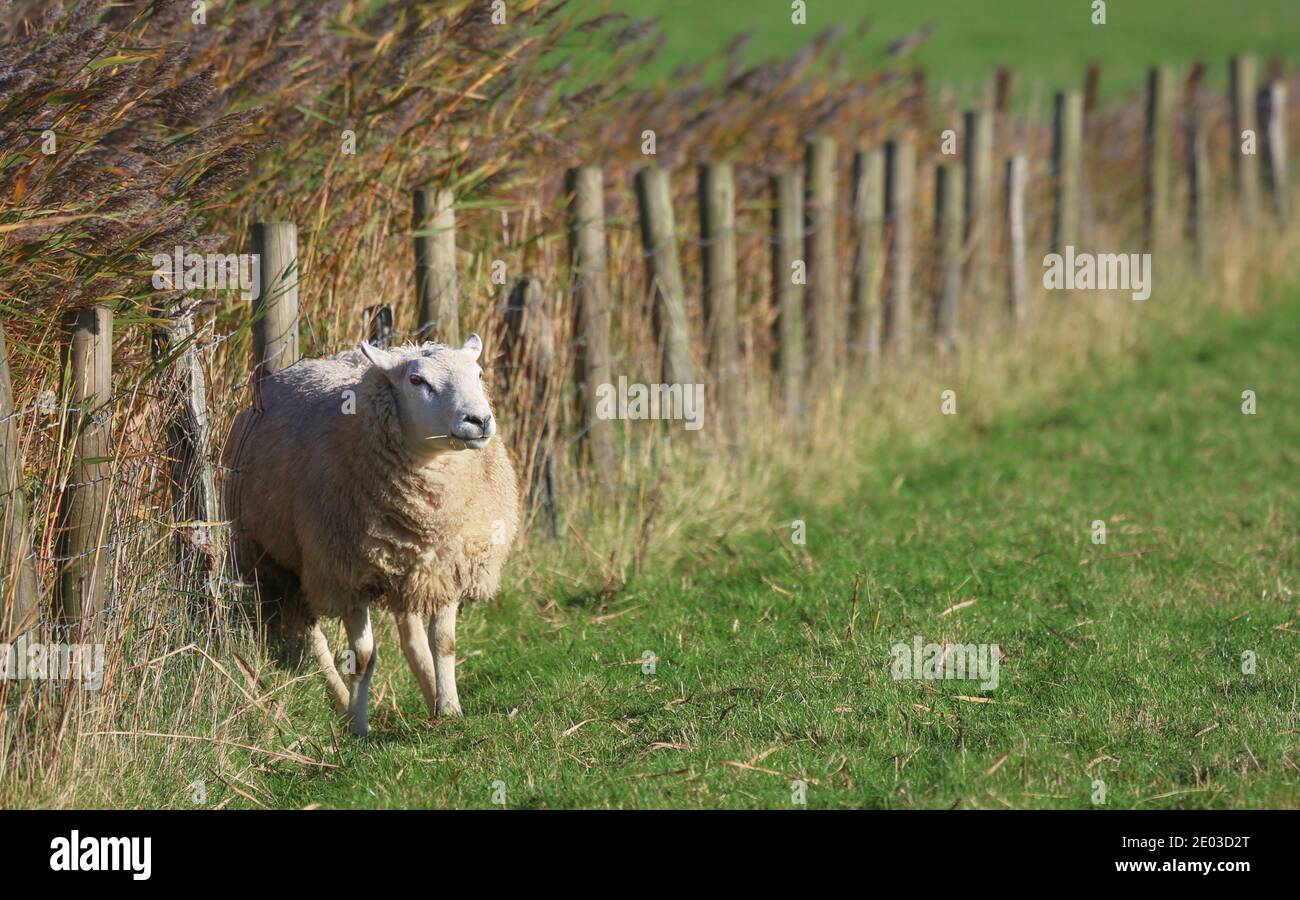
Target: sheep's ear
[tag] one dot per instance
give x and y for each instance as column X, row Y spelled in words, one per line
column 379, row 357
column 474, row 345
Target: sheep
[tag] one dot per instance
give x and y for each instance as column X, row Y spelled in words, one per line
column 372, row 478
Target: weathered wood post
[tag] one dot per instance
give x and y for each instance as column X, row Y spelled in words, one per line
column 1017, row 272
column 900, row 201
column 275, row 305
column 436, row 281
column 1159, row 148
column 83, row 504
column 381, row 324
column 1198, row 182
column 589, row 284
column 978, row 127
column 530, row 353
column 819, row 231
column 717, row 196
column 868, row 257
column 948, row 208
column 787, row 288
column 1272, row 116
column 1004, row 83
column 1067, row 170
column 664, row 274
column 196, row 509
column 18, row 588
column 1245, row 126
column 1091, row 87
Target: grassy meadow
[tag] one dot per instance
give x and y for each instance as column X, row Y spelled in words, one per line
column 1045, row 42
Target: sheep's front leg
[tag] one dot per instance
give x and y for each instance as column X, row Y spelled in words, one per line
column 415, row 645
column 362, row 642
column 442, row 635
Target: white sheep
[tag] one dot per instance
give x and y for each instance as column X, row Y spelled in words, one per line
column 372, row 478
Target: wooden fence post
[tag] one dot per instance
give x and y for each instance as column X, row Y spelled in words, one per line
column 664, row 274
column 436, row 281
column 819, row 231
column 1198, row 183
column 590, row 288
column 978, row 190
column 83, row 505
column 196, row 509
column 18, row 588
column 1245, row 166
column 1091, row 87
column 787, row 288
column 1004, row 85
column 381, row 325
column 530, row 353
column 1017, row 273
column 1159, row 147
column 900, row 201
column 275, row 305
column 1272, row 115
column 947, row 234
column 868, row 260
column 717, row 196
column 1067, row 166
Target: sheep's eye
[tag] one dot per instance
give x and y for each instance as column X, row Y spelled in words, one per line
column 417, row 380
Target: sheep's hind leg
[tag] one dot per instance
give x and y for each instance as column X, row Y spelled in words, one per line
column 362, row 642
column 320, row 648
column 442, row 635
column 415, row 644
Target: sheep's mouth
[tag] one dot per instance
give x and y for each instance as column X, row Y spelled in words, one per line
column 477, row 443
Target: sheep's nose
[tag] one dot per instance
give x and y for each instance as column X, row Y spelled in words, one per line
column 480, row 422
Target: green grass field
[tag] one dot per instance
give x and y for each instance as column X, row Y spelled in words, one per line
column 1048, row 41
column 1122, row 662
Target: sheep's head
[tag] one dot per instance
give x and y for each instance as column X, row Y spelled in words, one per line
column 440, row 396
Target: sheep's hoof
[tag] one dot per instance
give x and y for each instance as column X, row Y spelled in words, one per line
column 450, row 712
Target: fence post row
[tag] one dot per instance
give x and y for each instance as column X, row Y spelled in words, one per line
column 1272, row 113
column 868, row 263
column 787, row 290
column 275, row 305
column 664, row 273
column 717, row 199
column 18, row 588
column 948, row 207
column 1159, row 147
column 1067, row 169
column 590, row 287
column 1198, row 183
column 530, row 353
column 822, row 301
column 436, row 282
column 1245, row 166
column 83, row 503
column 196, row 509
column 900, row 201
column 978, row 190
column 1017, row 270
